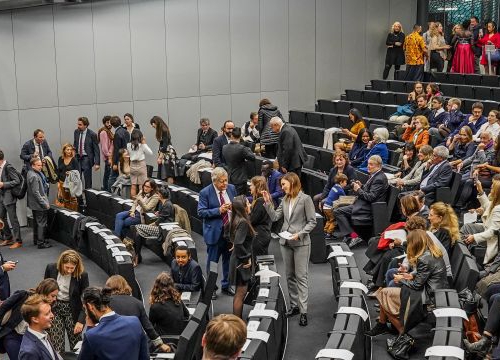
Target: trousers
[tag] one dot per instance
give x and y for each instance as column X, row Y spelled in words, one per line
column 296, row 259
column 10, row 211
column 214, row 252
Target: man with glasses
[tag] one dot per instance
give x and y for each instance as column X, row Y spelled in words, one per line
column 219, row 142
column 214, row 207
column 437, row 174
column 474, row 121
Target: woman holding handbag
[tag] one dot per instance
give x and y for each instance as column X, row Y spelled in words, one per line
column 166, row 153
column 66, row 163
column 491, row 38
column 241, row 234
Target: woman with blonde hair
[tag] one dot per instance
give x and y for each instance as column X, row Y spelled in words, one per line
column 67, row 162
column 123, row 303
column 485, row 232
column 429, row 274
column 69, row 316
column 167, row 312
column 259, row 218
column 395, row 54
column 437, row 47
column 418, row 132
column 444, row 224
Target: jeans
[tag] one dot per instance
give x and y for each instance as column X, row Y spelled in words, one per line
column 112, row 178
column 106, row 186
column 123, row 221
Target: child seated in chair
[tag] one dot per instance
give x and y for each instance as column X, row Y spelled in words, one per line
column 328, row 205
column 185, row 271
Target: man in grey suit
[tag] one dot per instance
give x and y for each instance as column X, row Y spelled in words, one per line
column 9, row 180
column 437, row 173
column 38, row 201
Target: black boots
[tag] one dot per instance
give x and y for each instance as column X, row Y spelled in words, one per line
column 378, row 329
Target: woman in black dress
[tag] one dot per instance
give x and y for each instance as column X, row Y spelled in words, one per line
column 67, row 162
column 259, row 218
column 167, row 312
column 395, row 54
column 166, row 153
column 241, row 234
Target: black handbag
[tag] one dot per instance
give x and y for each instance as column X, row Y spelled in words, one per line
column 400, row 349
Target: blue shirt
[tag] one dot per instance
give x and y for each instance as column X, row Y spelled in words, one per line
column 335, row 192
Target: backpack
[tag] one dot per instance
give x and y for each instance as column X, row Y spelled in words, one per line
column 19, row 191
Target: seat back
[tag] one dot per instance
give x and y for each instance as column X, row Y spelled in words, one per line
column 309, row 164
column 187, row 341
column 210, row 284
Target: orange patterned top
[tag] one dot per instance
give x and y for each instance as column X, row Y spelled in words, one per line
column 414, row 47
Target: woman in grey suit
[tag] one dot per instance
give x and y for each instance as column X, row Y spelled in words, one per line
column 299, row 219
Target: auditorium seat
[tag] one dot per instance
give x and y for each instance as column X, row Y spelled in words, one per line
column 471, row 80
column 331, row 120
column 354, row 95
column 297, row 117
column 490, row 80
column 482, row 92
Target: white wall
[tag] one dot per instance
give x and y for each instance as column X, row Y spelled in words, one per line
column 182, row 59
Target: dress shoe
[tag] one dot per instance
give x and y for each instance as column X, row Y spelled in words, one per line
column 481, row 347
column 44, row 245
column 378, row 329
column 303, row 320
column 16, row 245
column 294, row 310
column 7, row 242
column 227, row 291
column 355, row 242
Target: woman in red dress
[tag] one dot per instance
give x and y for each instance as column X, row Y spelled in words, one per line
column 463, row 58
column 492, row 37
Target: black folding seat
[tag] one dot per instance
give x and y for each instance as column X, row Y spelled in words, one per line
column 330, row 120
column 316, row 136
column 400, row 99
column 389, row 110
column 344, row 121
column 453, row 78
column 343, row 107
column 354, row 95
column 473, row 79
column 327, row 106
column 315, row 119
column 302, row 132
column 490, row 80
column 380, row 85
column 489, row 105
column 448, row 89
column 483, row 93
column 311, row 150
column 398, row 86
column 465, row 92
column 363, row 107
column 297, row 117
column 496, row 93
column 441, row 78
column 376, row 111
column 370, row 97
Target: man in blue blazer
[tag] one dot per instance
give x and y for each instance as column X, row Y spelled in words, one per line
column 219, row 142
column 36, row 311
column 36, row 146
column 87, row 150
column 113, row 337
column 214, row 207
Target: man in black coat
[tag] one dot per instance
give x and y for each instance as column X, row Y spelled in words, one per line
column 205, row 137
column 438, row 173
column 291, row 154
column 360, row 212
column 87, row 150
column 36, row 146
column 236, row 155
column 120, row 141
column 219, row 142
column 9, row 180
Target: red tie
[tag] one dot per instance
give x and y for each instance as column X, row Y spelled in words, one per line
column 225, row 216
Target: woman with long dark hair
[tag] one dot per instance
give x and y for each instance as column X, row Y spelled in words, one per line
column 360, row 147
column 11, row 333
column 492, row 37
column 167, row 312
column 241, row 234
column 129, row 123
column 356, row 117
column 166, row 153
column 259, row 218
column 137, row 149
column 69, row 316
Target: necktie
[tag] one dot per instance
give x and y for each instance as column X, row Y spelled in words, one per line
column 225, row 216
column 80, row 146
column 40, row 152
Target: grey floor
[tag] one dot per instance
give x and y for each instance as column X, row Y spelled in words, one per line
column 303, row 342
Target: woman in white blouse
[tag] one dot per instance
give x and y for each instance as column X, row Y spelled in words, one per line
column 137, row 149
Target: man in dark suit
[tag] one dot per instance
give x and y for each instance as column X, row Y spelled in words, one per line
column 360, row 212
column 35, row 345
column 437, row 173
column 9, row 180
column 236, row 156
column 204, row 140
column 36, row 146
column 38, row 201
column 291, row 154
column 120, row 141
column 5, row 267
column 219, row 142
column 214, row 208
column 116, row 337
column 87, row 150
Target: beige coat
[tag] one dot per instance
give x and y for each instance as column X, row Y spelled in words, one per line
column 491, row 223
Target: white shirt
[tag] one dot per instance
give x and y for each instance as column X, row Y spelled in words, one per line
column 290, row 206
column 139, row 154
column 226, row 198
column 43, row 338
column 38, row 147
column 81, row 139
column 426, row 180
column 494, row 129
column 63, row 281
column 1, row 169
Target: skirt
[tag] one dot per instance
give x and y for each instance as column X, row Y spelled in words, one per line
column 390, row 300
column 147, row 230
column 138, row 172
column 238, row 276
column 463, row 60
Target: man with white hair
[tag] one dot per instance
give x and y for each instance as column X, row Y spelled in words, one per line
column 360, row 212
column 214, row 207
column 291, row 154
column 437, row 174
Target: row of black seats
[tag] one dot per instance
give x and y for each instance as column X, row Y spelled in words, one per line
column 481, row 93
column 454, row 78
column 389, row 97
column 97, row 242
column 351, row 317
column 370, row 110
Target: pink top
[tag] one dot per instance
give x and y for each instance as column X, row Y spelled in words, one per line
column 106, row 145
